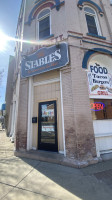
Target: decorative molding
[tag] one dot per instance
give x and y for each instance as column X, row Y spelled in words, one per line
column 39, row 5
column 49, row 81
column 97, row 43
column 58, row 4
column 89, row 40
column 81, row 2
column 98, row 36
column 36, row 9
column 91, row 52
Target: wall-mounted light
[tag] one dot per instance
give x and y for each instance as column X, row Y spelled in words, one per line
column 57, row 44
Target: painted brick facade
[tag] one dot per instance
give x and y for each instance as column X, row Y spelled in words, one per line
column 70, row 22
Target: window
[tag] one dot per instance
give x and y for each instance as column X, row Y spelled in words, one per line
column 44, row 24
column 101, row 109
column 92, row 21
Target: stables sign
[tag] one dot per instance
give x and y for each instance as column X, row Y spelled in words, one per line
column 100, row 80
column 45, row 59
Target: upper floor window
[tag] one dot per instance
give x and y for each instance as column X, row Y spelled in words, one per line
column 92, row 21
column 44, row 24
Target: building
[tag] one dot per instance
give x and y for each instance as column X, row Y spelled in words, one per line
column 63, row 89
column 2, row 115
column 9, row 95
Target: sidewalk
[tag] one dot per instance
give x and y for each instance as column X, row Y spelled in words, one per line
column 26, row 179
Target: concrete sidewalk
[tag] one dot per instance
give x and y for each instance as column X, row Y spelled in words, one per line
column 26, row 179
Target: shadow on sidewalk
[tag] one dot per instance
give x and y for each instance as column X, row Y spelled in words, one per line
column 82, row 183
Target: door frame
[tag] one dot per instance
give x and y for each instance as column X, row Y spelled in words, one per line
column 47, row 146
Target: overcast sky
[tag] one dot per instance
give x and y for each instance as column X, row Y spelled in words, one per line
column 9, row 11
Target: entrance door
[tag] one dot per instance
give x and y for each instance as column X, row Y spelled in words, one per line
column 47, row 126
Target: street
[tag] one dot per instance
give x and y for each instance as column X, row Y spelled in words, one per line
column 22, row 179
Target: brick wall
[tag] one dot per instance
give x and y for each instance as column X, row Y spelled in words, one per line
column 21, row 134
column 79, row 134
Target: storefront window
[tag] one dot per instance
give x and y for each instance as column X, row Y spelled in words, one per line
column 101, row 109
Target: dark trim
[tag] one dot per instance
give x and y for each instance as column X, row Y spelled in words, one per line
column 80, row 5
column 57, row 5
column 91, row 52
column 37, row 9
column 44, row 6
column 97, row 36
column 96, row 44
column 78, row 37
column 75, row 32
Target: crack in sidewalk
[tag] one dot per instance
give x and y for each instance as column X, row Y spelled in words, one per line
column 23, row 189
column 15, row 186
column 27, row 190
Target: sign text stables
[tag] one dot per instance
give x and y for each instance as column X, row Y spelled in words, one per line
column 45, row 59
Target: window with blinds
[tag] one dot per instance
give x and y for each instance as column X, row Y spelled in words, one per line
column 92, row 21
column 44, row 24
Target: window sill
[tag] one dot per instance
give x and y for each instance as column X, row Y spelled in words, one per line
column 97, row 36
column 45, row 38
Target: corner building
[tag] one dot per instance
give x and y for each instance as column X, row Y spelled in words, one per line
column 63, row 92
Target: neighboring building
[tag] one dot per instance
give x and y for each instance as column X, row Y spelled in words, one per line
column 63, row 90
column 3, row 109
column 2, row 115
column 9, row 95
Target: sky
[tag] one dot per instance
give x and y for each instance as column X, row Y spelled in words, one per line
column 9, row 12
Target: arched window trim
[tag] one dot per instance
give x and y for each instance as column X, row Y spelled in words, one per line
column 48, row 14
column 82, row 3
column 41, row 18
column 89, row 53
column 52, row 4
column 95, row 17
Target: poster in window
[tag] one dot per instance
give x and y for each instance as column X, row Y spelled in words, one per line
column 46, row 112
column 48, row 128
column 100, row 77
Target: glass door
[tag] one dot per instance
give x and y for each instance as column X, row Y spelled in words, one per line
column 47, row 126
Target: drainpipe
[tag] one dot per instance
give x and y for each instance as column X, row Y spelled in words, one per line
column 62, row 111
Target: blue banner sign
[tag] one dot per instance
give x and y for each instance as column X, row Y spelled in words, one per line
column 44, row 60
